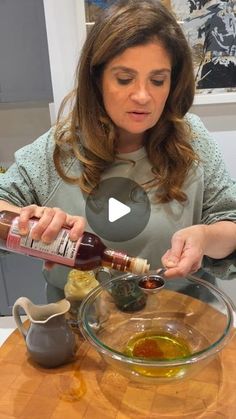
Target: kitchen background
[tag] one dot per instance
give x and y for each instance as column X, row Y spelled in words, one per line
column 40, row 41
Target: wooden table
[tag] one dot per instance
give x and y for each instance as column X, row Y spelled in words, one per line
column 88, row 389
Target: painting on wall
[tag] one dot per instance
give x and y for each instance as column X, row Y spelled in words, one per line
column 210, row 28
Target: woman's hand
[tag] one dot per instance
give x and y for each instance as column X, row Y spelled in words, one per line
column 189, row 245
column 186, row 252
column 51, row 220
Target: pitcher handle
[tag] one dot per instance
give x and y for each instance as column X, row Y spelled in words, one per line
column 21, row 302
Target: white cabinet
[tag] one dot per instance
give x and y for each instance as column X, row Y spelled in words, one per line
column 24, row 69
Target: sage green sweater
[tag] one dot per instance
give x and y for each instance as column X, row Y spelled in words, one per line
column 210, row 190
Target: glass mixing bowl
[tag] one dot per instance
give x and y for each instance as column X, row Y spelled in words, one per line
column 157, row 336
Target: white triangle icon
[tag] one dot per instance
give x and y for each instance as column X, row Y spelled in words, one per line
column 116, row 210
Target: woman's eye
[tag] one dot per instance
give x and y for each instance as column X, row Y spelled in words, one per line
column 157, row 82
column 123, row 81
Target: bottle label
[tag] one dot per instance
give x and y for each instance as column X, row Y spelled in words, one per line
column 118, row 259
column 62, row 250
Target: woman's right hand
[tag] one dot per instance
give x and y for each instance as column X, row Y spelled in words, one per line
column 51, row 220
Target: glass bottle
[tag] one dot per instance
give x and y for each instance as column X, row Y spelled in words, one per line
column 127, row 295
column 88, row 253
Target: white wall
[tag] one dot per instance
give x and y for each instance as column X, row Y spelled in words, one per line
column 66, row 32
column 20, row 124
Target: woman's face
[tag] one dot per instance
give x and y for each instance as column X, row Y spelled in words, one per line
column 135, row 88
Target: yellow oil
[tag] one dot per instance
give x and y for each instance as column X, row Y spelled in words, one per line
column 158, row 346
column 75, row 389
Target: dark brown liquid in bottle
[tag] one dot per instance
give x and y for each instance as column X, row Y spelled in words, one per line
column 91, row 252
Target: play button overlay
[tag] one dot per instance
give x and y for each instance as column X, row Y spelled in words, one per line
column 118, row 209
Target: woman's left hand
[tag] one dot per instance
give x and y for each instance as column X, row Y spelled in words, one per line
column 186, row 252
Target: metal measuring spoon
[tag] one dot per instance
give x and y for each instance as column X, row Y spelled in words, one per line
column 152, row 282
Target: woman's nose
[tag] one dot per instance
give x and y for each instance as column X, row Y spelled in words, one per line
column 140, row 94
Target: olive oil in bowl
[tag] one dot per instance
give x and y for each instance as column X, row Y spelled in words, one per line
column 158, row 346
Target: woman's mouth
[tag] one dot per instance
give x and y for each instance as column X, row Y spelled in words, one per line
column 138, row 116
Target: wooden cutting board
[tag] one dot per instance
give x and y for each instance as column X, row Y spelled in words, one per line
column 88, row 389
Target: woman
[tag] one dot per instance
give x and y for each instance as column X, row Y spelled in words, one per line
column 135, row 85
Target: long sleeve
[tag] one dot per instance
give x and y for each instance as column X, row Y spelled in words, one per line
column 219, row 200
column 32, row 177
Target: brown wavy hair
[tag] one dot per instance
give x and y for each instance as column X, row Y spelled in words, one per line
column 89, row 131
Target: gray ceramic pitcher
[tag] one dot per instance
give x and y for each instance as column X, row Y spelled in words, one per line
column 49, row 339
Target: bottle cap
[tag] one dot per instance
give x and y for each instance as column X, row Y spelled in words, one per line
column 140, row 266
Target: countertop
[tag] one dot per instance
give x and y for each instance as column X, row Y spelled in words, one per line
column 87, row 388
